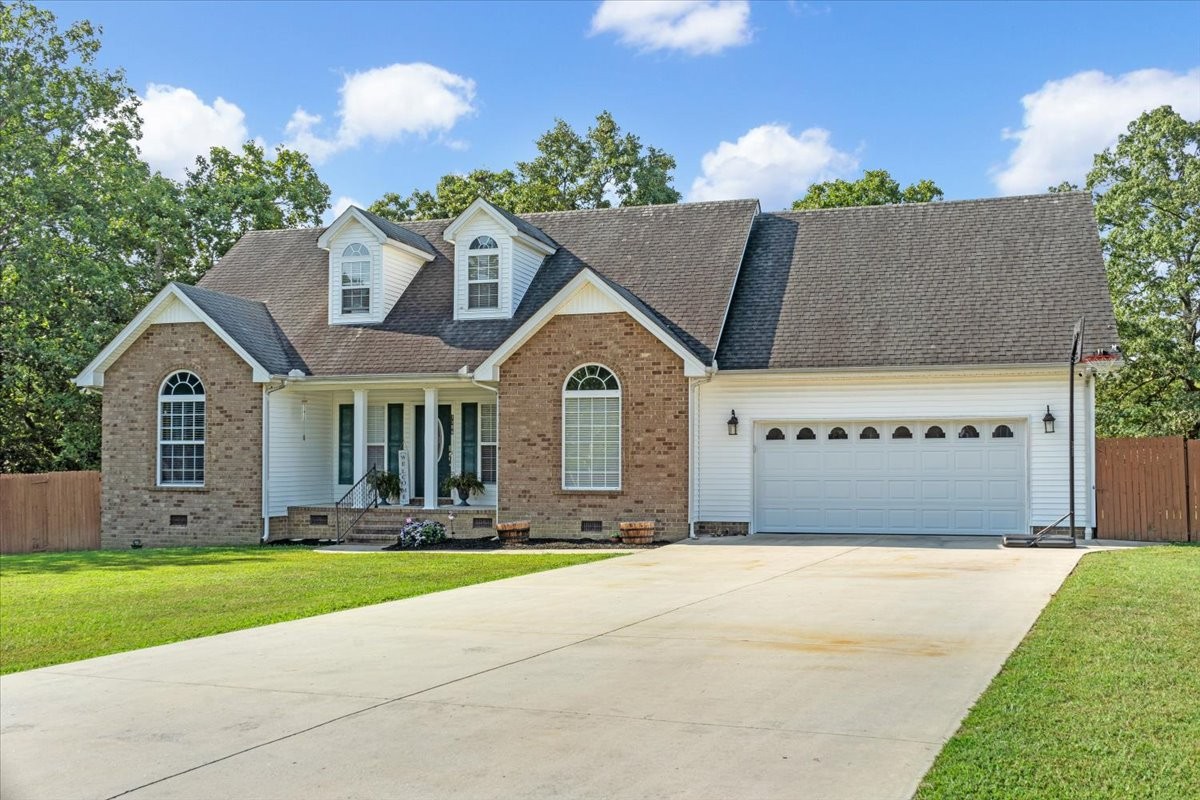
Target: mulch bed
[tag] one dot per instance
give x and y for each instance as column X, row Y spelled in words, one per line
column 492, row 543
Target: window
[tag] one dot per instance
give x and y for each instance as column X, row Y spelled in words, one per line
column 1002, row 432
column 806, row 434
column 902, row 432
column 487, row 442
column 838, row 433
column 483, row 273
column 774, row 435
column 376, row 438
column 868, row 433
column 592, row 429
column 356, row 279
column 181, row 411
column 968, row 432
column 935, row 432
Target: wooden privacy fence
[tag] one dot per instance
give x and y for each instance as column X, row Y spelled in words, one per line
column 1148, row 489
column 49, row 511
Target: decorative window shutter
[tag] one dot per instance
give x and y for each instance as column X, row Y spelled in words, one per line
column 395, row 434
column 346, row 444
column 470, row 438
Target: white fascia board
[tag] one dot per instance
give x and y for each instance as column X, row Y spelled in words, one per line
column 479, row 204
column 346, row 216
column 407, row 250
column 884, row 373
column 488, row 370
column 92, row 375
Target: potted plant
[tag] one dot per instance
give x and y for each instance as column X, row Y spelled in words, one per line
column 385, row 484
column 465, row 483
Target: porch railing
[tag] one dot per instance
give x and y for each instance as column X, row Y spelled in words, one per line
column 349, row 510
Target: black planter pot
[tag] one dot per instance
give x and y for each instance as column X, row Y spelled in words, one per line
column 463, row 494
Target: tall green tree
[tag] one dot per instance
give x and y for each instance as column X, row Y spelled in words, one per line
column 1147, row 193
column 86, row 230
column 571, row 170
column 228, row 193
column 875, row 188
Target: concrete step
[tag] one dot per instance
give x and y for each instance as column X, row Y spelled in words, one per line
column 373, row 536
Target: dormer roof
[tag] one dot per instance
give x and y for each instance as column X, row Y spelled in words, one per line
column 515, row 226
column 384, row 230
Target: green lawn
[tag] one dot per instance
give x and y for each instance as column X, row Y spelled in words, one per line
column 57, row 607
column 1101, row 700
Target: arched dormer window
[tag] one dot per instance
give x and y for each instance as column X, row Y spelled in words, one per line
column 356, row 279
column 483, row 273
column 181, row 418
column 592, row 429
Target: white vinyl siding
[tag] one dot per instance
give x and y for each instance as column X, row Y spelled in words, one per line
column 724, row 465
column 482, row 224
column 399, row 270
column 303, row 446
column 525, row 264
column 353, row 233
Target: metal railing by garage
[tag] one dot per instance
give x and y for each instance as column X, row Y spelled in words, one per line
column 354, row 503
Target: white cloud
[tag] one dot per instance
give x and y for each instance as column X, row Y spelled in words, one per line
column 385, row 104
column 769, row 163
column 1068, row 121
column 697, row 27
column 340, row 205
column 177, row 126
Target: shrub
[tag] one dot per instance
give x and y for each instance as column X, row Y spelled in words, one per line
column 421, row 532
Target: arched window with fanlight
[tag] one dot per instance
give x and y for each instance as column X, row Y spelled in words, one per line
column 483, row 273
column 935, row 432
column 838, row 433
column 968, row 432
column 775, row 435
column 182, row 408
column 592, row 429
column 806, row 435
column 869, row 432
column 902, row 432
column 1002, row 432
column 356, row 279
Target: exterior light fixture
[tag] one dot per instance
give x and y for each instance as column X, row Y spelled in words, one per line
column 732, row 423
column 1048, row 421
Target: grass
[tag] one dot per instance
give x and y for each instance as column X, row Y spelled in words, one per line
column 1101, row 700
column 58, row 607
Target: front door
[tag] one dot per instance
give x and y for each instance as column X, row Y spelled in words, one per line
column 445, row 427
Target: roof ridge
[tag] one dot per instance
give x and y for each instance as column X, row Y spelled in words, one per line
column 937, row 203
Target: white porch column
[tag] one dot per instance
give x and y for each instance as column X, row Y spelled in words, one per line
column 360, row 434
column 431, row 449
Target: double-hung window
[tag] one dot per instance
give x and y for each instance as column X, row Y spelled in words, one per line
column 181, row 413
column 483, row 273
column 356, row 279
column 377, row 437
column 487, row 442
column 592, row 429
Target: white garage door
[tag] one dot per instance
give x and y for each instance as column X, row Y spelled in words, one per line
column 961, row 477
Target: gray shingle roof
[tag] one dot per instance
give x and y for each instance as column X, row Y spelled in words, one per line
column 679, row 261
column 399, row 232
column 987, row 282
column 251, row 325
column 525, row 227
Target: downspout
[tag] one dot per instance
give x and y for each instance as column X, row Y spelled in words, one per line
column 268, row 390
column 693, row 442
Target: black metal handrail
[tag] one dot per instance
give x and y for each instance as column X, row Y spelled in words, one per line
column 356, row 502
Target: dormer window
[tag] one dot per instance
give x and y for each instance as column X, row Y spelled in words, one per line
column 356, row 279
column 483, row 273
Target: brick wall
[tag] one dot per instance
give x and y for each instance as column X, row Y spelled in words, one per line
column 654, row 406
column 228, row 509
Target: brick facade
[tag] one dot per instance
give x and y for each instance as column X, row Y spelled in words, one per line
column 228, row 509
column 654, row 409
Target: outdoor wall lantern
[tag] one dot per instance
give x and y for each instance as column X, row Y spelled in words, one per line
column 1048, row 421
column 732, row 423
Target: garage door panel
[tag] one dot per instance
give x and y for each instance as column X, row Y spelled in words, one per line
column 886, row 485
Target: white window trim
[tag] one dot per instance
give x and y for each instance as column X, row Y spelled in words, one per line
column 182, row 398
column 489, row 251
column 619, row 393
column 343, row 260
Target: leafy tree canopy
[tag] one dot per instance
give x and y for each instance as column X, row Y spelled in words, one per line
column 1147, row 194
column 570, row 171
column 875, row 188
column 88, row 232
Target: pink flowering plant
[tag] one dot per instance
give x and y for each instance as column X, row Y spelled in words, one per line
column 421, row 532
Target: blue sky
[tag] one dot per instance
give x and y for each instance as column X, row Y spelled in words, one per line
column 754, row 99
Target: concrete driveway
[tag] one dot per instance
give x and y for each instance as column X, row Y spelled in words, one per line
column 821, row 667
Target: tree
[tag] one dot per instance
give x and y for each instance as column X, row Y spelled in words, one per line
column 570, row 171
column 85, row 231
column 227, row 194
column 875, row 188
column 1147, row 194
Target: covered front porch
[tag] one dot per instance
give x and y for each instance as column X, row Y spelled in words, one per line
column 324, row 437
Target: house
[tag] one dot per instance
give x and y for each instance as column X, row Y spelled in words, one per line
column 707, row 366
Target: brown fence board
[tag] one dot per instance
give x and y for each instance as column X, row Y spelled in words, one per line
column 1193, row 471
column 49, row 511
column 1143, row 489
